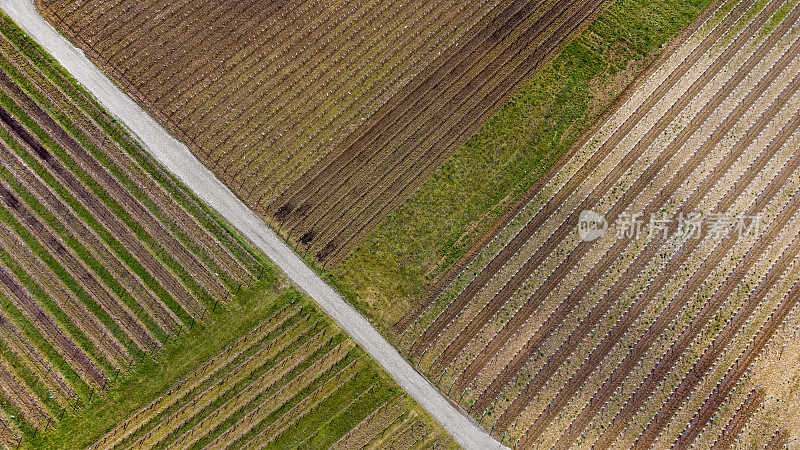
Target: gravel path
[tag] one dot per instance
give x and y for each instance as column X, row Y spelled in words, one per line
column 177, row 158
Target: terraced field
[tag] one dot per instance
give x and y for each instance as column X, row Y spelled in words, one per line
column 103, row 255
column 294, row 381
column 322, row 115
column 641, row 338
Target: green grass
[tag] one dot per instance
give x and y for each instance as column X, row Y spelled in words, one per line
column 72, row 243
column 394, row 266
column 42, row 298
column 16, row 417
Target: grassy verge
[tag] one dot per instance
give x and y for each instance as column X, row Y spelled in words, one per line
column 393, row 267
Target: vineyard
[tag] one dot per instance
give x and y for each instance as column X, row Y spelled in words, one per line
column 641, row 293
column 323, row 116
column 132, row 316
column 646, row 332
column 103, row 255
column 294, row 381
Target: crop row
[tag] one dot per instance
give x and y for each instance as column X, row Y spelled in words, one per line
column 513, row 222
column 677, row 261
column 359, row 186
column 280, row 385
column 551, row 329
column 668, row 270
column 265, row 111
column 588, row 166
column 567, row 226
column 104, row 254
column 537, row 257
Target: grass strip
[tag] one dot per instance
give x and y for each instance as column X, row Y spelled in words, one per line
column 89, row 220
column 43, row 299
column 233, row 241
